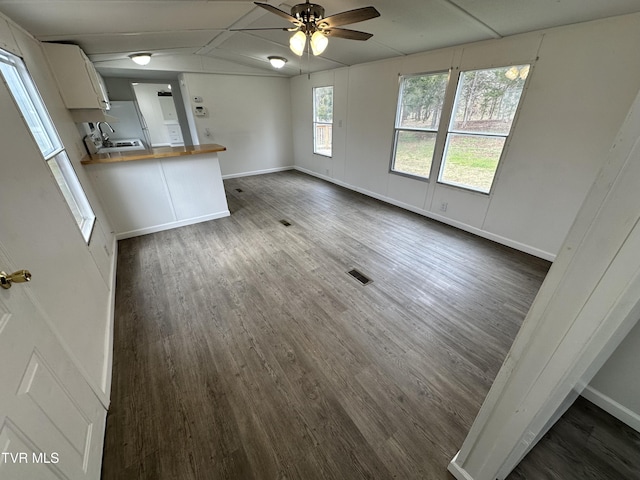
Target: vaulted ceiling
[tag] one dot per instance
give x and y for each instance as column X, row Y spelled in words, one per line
column 197, row 35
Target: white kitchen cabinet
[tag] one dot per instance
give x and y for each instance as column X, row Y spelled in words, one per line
column 155, row 194
column 79, row 83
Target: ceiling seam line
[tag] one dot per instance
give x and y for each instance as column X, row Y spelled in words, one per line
column 458, row 8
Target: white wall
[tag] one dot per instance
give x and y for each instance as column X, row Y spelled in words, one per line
column 251, row 116
column 75, row 280
column 579, row 92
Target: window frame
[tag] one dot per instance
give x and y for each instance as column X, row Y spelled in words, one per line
column 436, row 131
column 446, row 120
column 451, row 120
column 85, row 219
column 315, row 123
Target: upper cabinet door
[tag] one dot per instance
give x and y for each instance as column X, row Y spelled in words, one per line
column 78, row 81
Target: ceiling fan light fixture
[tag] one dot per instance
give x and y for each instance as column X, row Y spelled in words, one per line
column 297, row 43
column 141, row 58
column 319, row 42
column 277, row 62
column 512, row 73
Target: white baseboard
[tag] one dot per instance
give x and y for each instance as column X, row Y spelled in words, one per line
column 457, row 471
column 612, row 407
column 257, row 172
column 170, row 225
column 454, row 223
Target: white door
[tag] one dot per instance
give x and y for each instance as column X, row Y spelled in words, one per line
column 51, row 422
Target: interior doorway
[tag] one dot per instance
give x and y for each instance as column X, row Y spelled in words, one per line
column 159, row 114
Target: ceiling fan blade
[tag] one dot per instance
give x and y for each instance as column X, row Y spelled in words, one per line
column 256, row 29
column 346, row 33
column 277, row 11
column 350, row 16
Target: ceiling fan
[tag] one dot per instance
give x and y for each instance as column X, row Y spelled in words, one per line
column 310, row 23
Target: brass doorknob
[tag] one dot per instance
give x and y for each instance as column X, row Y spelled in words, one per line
column 20, row 276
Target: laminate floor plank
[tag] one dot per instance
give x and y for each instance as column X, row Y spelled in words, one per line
column 244, row 350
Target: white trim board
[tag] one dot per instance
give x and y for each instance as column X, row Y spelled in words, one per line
column 434, row 216
column 107, row 373
column 457, row 471
column 612, row 407
column 257, row 172
column 170, row 225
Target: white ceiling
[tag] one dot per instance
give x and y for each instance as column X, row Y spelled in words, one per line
column 195, row 35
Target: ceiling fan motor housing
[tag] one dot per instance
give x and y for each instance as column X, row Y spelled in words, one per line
column 308, row 13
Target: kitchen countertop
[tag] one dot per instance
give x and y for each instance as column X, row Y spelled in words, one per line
column 156, row 152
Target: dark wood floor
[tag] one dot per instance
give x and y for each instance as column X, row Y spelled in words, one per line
column 243, row 350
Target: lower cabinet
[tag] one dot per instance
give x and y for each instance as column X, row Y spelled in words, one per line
column 146, row 196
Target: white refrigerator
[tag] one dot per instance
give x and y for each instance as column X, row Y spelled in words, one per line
column 130, row 122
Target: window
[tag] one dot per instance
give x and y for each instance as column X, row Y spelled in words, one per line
column 322, row 120
column 417, row 119
column 481, row 116
column 46, row 137
column 483, row 112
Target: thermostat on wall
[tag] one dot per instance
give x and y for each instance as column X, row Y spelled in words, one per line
column 200, row 111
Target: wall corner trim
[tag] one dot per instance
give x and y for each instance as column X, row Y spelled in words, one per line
column 457, row 471
column 107, row 372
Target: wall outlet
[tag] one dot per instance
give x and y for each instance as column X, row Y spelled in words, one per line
column 443, row 206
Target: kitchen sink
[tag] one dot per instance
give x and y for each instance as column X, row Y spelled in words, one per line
column 126, row 145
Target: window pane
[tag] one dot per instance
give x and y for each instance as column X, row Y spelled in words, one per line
column 323, row 104
column 322, row 138
column 34, row 118
column 33, row 110
column 72, row 191
column 471, row 161
column 66, row 192
column 421, row 99
column 486, row 100
column 322, row 120
column 414, row 152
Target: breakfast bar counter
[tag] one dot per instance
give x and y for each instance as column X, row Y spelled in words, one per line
column 155, row 152
column 146, row 191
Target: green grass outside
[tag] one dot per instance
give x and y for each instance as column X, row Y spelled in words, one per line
column 470, row 161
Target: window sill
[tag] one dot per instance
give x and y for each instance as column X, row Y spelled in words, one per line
column 465, row 188
column 410, row 175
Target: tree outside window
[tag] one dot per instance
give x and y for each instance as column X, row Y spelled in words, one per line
column 417, row 121
column 323, row 120
column 483, row 113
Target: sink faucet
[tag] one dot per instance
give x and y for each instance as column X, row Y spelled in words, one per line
column 105, row 136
